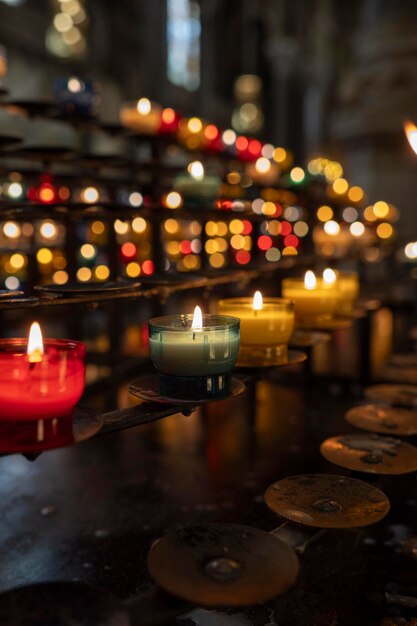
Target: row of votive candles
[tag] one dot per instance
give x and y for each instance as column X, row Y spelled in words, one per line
column 253, row 332
column 45, row 379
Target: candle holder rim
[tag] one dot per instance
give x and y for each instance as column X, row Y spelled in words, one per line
column 162, row 322
column 244, row 300
column 60, row 343
column 299, row 282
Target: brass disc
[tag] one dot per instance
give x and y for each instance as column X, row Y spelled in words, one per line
column 222, row 565
column 401, row 395
column 61, row 604
column 327, row 501
column 383, row 419
column 371, row 453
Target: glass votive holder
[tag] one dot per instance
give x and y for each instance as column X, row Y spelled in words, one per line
column 312, row 307
column 47, row 389
column 35, row 435
column 194, row 363
column 264, row 333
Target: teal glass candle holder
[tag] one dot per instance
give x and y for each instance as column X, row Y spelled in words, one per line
column 195, row 364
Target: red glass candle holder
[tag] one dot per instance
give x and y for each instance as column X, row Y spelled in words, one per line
column 48, row 389
column 35, row 435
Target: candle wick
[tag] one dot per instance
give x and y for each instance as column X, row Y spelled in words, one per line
column 193, row 336
column 32, row 366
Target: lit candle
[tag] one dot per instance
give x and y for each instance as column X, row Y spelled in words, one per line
column 201, row 350
column 266, row 325
column 348, row 287
column 40, row 379
column 315, row 300
column 196, row 183
column 142, row 116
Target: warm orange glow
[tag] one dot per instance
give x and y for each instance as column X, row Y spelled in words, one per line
column 279, row 155
column 381, row 209
column 263, row 165
column 168, row 116
column 410, row 130
column 340, row 186
column 195, row 125
column 257, row 301
column 35, row 344
column 46, row 194
column 173, row 200
column 242, row 143
column 355, row 194
column 197, row 323
column 324, row 213
column 310, row 280
column 211, row 132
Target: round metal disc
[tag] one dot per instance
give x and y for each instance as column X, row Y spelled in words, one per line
column 61, row 604
column 371, row 453
column 401, row 395
column 295, row 357
column 327, row 501
column 148, row 388
column 222, row 565
column 383, row 419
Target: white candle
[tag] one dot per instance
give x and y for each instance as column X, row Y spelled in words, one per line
column 207, row 347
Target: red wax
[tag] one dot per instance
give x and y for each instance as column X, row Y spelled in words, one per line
column 42, row 390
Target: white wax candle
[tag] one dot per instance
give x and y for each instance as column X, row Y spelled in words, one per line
column 194, row 353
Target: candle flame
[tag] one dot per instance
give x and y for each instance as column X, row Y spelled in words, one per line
column 329, row 276
column 310, row 280
column 257, row 301
column 144, row 106
column 410, row 130
column 197, row 323
column 196, row 170
column 35, row 344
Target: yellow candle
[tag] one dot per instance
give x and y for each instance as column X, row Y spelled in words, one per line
column 265, row 328
column 315, row 300
column 349, row 288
